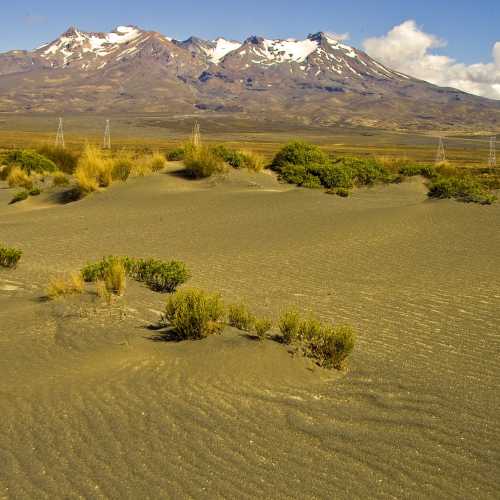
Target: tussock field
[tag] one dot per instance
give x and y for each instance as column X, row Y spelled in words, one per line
column 96, row 405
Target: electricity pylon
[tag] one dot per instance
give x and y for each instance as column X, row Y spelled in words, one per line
column 60, row 135
column 441, row 155
column 107, row 137
column 196, row 140
column 492, row 163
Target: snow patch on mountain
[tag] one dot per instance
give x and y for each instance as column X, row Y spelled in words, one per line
column 221, row 49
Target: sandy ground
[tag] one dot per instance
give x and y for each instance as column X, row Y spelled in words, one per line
column 92, row 406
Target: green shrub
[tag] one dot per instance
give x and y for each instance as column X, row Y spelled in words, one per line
column 9, row 256
column 19, row 196
column 311, row 182
column 413, row 170
column 261, row 327
column 160, row 276
column 194, row 314
column 202, row 162
column 35, row 191
column 336, row 176
column 122, row 167
column 232, row 157
column 65, row 160
column 176, row 154
column 298, row 153
column 59, row 179
column 465, row 189
column 30, row 161
column 288, row 325
column 331, row 345
column 240, row 317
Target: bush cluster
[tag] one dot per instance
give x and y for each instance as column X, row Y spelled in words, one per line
column 176, row 154
column 194, row 314
column 239, row 159
column 64, row 159
column 307, row 165
column 328, row 345
column 30, row 161
column 160, row 276
column 9, row 256
column 62, row 286
column 465, row 189
column 202, row 161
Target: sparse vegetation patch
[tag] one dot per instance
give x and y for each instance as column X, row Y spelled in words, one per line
column 9, row 256
column 194, row 314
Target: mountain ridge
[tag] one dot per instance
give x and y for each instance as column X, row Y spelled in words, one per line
column 318, row 80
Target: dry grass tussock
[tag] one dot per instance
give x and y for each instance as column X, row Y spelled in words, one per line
column 19, row 178
column 93, row 170
column 66, row 285
column 254, row 161
column 202, row 161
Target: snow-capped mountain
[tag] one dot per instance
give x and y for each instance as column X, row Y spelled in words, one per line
column 315, row 80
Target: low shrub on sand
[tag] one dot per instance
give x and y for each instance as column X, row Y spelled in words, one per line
column 63, row 158
column 19, row 196
column 465, row 189
column 30, row 161
column 328, row 345
column 240, row 317
column 19, row 178
column 36, row 191
column 299, row 153
column 176, row 154
column 93, row 170
column 62, row 286
column 239, row 159
column 9, row 256
column 202, row 162
column 115, row 278
column 194, row 314
column 157, row 162
column 261, row 327
column 331, row 345
column 123, row 165
column 288, row 325
column 59, row 179
column 159, row 275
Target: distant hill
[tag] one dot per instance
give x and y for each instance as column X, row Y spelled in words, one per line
column 318, row 81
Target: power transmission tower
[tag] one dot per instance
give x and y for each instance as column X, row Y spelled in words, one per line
column 60, row 135
column 441, row 155
column 493, row 153
column 107, row 137
column 196, row 139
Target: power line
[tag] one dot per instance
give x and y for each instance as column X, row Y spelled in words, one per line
column 107, row 137
column 440, row 155
column 60, row 135
column 196, row 139
column 492, row 163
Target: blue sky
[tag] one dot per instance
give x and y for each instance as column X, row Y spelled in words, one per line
column 470, row 28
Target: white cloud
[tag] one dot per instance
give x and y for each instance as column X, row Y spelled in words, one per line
column 408, row 49
column 340, row 37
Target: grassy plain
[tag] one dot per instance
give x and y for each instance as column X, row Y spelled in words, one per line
column 156, row 132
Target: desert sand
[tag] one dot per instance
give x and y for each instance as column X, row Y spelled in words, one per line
column 93, row 405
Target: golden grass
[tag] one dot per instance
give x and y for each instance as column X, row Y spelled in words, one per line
column 19, row 178
column 93, row 170
column 254, row 161
column 157, row 161
column 116, row 279
column 62, row 286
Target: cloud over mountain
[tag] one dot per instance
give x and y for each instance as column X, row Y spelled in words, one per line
column 409, row 49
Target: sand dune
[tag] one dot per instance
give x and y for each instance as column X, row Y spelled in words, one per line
column 94, row 407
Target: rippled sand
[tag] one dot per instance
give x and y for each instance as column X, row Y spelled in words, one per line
column 93, row 407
